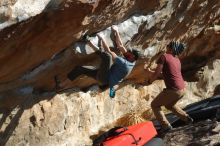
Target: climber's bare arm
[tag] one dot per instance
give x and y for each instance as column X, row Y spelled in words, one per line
column 118, row 40
column 106, row 47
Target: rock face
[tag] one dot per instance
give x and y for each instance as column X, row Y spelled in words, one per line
column 41, row 39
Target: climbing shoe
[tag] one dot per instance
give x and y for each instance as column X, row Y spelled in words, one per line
column 164, row 130
column 112, row 92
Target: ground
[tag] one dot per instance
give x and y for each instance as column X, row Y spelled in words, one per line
column 203, row 133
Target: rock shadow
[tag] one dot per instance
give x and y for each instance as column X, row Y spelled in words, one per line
column 14, row 113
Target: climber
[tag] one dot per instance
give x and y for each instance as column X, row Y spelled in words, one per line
column 113, row 68
column 170, row 67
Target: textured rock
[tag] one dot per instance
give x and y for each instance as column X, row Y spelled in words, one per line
column 32, row 41
column 146, row 31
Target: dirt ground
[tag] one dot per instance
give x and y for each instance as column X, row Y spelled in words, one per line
column 203, row 133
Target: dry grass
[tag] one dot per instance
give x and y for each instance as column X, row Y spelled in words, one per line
column 130, row 119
